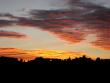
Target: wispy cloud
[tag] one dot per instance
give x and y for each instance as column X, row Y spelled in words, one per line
column 11, row 34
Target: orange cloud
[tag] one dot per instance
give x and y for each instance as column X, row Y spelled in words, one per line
column 16, row 53
column 103, row 39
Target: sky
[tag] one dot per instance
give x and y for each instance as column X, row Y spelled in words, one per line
column 77, row 26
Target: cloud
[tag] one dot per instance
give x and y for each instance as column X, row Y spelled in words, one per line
column 10, row 34
column 105, row 3
column 7, row 19
column 103, row 40
column 5, row 23
column 57, row 22
column 72, row 25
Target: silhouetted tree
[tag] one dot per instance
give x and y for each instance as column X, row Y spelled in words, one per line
column 47, row 61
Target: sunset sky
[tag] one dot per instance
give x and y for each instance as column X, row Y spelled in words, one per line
column 55, row 28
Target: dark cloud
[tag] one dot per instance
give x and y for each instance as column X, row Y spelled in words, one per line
column 104, row 3
column 7, row 19
column 5, row 23
column 72, row 25
column 6, row 15
column 9, row 34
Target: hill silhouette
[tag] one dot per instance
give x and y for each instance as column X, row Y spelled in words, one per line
column 48, row 61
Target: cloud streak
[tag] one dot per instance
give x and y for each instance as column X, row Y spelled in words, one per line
column 11, row 34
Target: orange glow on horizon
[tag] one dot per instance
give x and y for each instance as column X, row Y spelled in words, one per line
column 27, row 55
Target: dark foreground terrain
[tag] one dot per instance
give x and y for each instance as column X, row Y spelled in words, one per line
column 46, row 61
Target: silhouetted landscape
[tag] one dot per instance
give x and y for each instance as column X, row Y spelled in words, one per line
column 47, row 61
